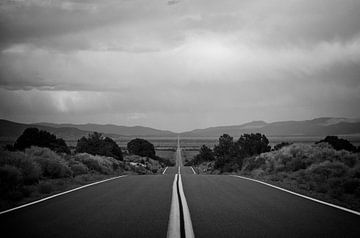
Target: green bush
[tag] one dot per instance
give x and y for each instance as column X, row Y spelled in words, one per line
column 318, row 168
column 101, row 164
column 36, row 137
column 339, row 143
column 141, row 147
column 30, row 170
column 96, row 144
column 10, row 177
column 45, row 188
column 204, row 155
column 52, row 165
column 79, row 168
column 326, row 170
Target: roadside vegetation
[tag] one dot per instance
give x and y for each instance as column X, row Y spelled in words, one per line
column 328, row 169
column 39, row 164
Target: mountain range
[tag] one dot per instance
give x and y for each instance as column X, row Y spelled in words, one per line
column 317, row 127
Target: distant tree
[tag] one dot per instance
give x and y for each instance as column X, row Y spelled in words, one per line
column 225, row 152
column 96, row 144
column 225, row 146
column 205, row 154
column 339, row 143
column 281, row 145
column 252, row 144
column 35, row 137
column 141, row 147
column 230, row 155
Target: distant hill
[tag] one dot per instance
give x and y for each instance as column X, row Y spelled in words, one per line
column 12, row 130
column 316, row 127
column 129, row 131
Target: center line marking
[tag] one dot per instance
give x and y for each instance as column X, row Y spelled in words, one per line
column 189, row 232
column 180, row 224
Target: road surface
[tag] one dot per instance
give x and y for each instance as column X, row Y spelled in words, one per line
column 139, row 206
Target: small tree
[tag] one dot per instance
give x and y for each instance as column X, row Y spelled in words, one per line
column 253, row 144
column 339, row 143
column 205, row 154
column 96, row 144
column 230, row 154
column 35, row 137
column 225, row 146
column 141, row 147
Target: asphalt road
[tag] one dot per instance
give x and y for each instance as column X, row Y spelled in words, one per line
column 139, row 206
column 225, row 206
column 133, row 206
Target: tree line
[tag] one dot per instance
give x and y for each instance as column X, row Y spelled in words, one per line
column 229, row 154
column 95, row 144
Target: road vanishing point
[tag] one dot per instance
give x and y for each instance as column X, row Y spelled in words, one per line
column 179, row 203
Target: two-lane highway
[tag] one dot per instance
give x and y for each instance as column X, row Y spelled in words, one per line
column 140, row 206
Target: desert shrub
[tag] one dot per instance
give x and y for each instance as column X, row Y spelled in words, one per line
column 327, row 169
column 96, row 144
column 45, row 188
column 36, row 137
column 317, row 167
column 141, row 147
column 351, row 185
column 79, row 168
column 10, row 177
column 30, row 170
column 252, row 163
column 101, row 164
column 51, row 164
column 89, row 161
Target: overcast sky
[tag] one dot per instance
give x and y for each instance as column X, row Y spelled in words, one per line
column 178, row 64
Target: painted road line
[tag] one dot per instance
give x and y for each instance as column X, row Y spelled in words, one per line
column 193, row 169
column 164, row 170
column 189, row 232
column 59, row 194
column 174, row 218
column 179, row 169
column 300, row 195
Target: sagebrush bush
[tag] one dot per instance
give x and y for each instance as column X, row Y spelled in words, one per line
column 317, row 167
column 10, row 177
column 101, row 164
column 52, row 165
column 79, row 168
column 45, row 188
column 30, row 170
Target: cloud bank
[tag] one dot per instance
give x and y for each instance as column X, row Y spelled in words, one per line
column 178, row 64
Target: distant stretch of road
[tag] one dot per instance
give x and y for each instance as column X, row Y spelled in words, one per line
column 152, row 206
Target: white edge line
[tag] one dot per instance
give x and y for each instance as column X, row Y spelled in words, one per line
column 174, row 217
column 179, row 169
column 300, row 195
column 193, row 169
column 189, row 232
column 164, row 170
column 58, row 194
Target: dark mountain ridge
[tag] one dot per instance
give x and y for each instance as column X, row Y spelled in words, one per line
column 317, row 127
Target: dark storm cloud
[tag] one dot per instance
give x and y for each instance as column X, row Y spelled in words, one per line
column 155, row 62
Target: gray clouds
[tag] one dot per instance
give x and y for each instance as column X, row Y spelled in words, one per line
column 206, row 62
